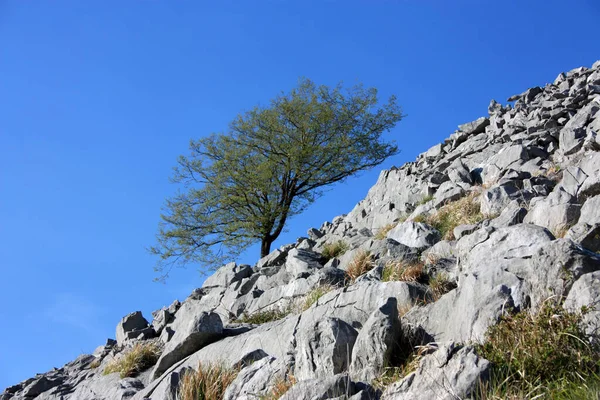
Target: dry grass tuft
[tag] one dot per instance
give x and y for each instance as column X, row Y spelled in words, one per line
column 404, row 272
column 439, row 285
column 463, row 211
column 280, row 387
column 562, row 230
column 335, row 249
column 209, row 382
column 95, row 364
column 383, row 231
column 362, row 263
column 136, row 360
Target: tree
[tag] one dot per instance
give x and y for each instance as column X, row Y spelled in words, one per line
column 241, row 187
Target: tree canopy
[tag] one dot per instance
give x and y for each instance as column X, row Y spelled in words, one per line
column 240, row 187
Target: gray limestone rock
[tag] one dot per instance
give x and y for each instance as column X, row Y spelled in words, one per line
column 586, row 293
column 557, row 212
column 130, row 324
column 376, row 342
column 227, row 275
column 415, row 234
column 451, row 372
column 255, row 380
column 323, row 388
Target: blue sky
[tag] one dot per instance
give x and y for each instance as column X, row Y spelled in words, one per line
column 97, row 99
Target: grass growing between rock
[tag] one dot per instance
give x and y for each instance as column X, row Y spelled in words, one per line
column 404, row 272
column 543, row 355
column 209, row 382
column 463, row 211
column 136, row 360
column 262, row 317
column 383, row 231
column 406, row 362
column 362, row 263
column 335, row 249
column 314, row 295
column 279, row 388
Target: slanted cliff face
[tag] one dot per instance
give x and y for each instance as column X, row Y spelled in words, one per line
column 533, row 172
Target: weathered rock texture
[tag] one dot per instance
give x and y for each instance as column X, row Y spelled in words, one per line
column 534, row 169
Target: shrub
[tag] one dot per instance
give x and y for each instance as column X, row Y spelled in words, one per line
column 463, row 211
column 402, row 271
column 136, row 360
column 545, row 354
column 262, row 317
column 335, row 249
column 383, row 231
column 280, row 387
column 314, row 295
column 209, row 382
column 425, row 199
column 362, row 262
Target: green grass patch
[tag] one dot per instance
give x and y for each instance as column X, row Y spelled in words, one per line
column 262, row 317
column 335, row 249
column 136, row 360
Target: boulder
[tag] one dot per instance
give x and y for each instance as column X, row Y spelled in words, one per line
column 557, row 212
column 193, row 330
column 323, row 388
column 323, row 347
column 415, row 234
column 227, row 275
column 376, row 342
column 255, row 380
column 586, row 293
column 129, row 325
column 451, row 372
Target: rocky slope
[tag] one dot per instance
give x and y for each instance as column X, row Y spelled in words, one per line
column 502, row 215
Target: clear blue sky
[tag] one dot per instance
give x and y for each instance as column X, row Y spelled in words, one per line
column 97, row 99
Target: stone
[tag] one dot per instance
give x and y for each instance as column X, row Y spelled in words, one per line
column 193, row 330
column 376, row 342
column 227, row 275
column 323, row 347
column 130, row 323
column 414, row 234
column 475, row 127
column 451, row 372
column 463, row 230
column 495, row 199
column 301, row 262
column 586, row 293
column 321, row 389
column 557, row 212
column 255, row 380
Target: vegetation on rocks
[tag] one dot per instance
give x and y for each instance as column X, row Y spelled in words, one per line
column 241, row 187
column 383, row 231
column 463, row 211
column 280, row 387
column 335, row 249
column 262, row 317
column 360, row 264
column 208, row 382
column 314, row 295
column 541, row 355
column 403, row 271
column 141, row 357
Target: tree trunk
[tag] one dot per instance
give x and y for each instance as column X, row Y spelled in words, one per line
column 265, row 246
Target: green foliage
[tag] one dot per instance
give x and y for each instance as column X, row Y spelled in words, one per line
column 136, row 360
column 262, row 317
column 545, row 354
column 425, row 199
column 332, row 250
column 439, row 285
column 240, row 187
column 209, row 382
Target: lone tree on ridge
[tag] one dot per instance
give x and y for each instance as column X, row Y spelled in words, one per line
column 241, row 187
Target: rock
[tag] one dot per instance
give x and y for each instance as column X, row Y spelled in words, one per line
column 314, row 234
column 462, row 230
column 414, row 234
column 376, row 342
column 130, row 324
column 321, row 389
column 573, row 133
column 300, row 262
column 323, row 347
column 519, row 266
column 586, row 293
column 193, row 331
column 475, row 127
column 458, row 173
column 588, row 236
column 451, row 372
column 512, row 214
column 495, row 199
column 227, row 275
column 446, row 193
column 557, row 212
column 255, row 380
